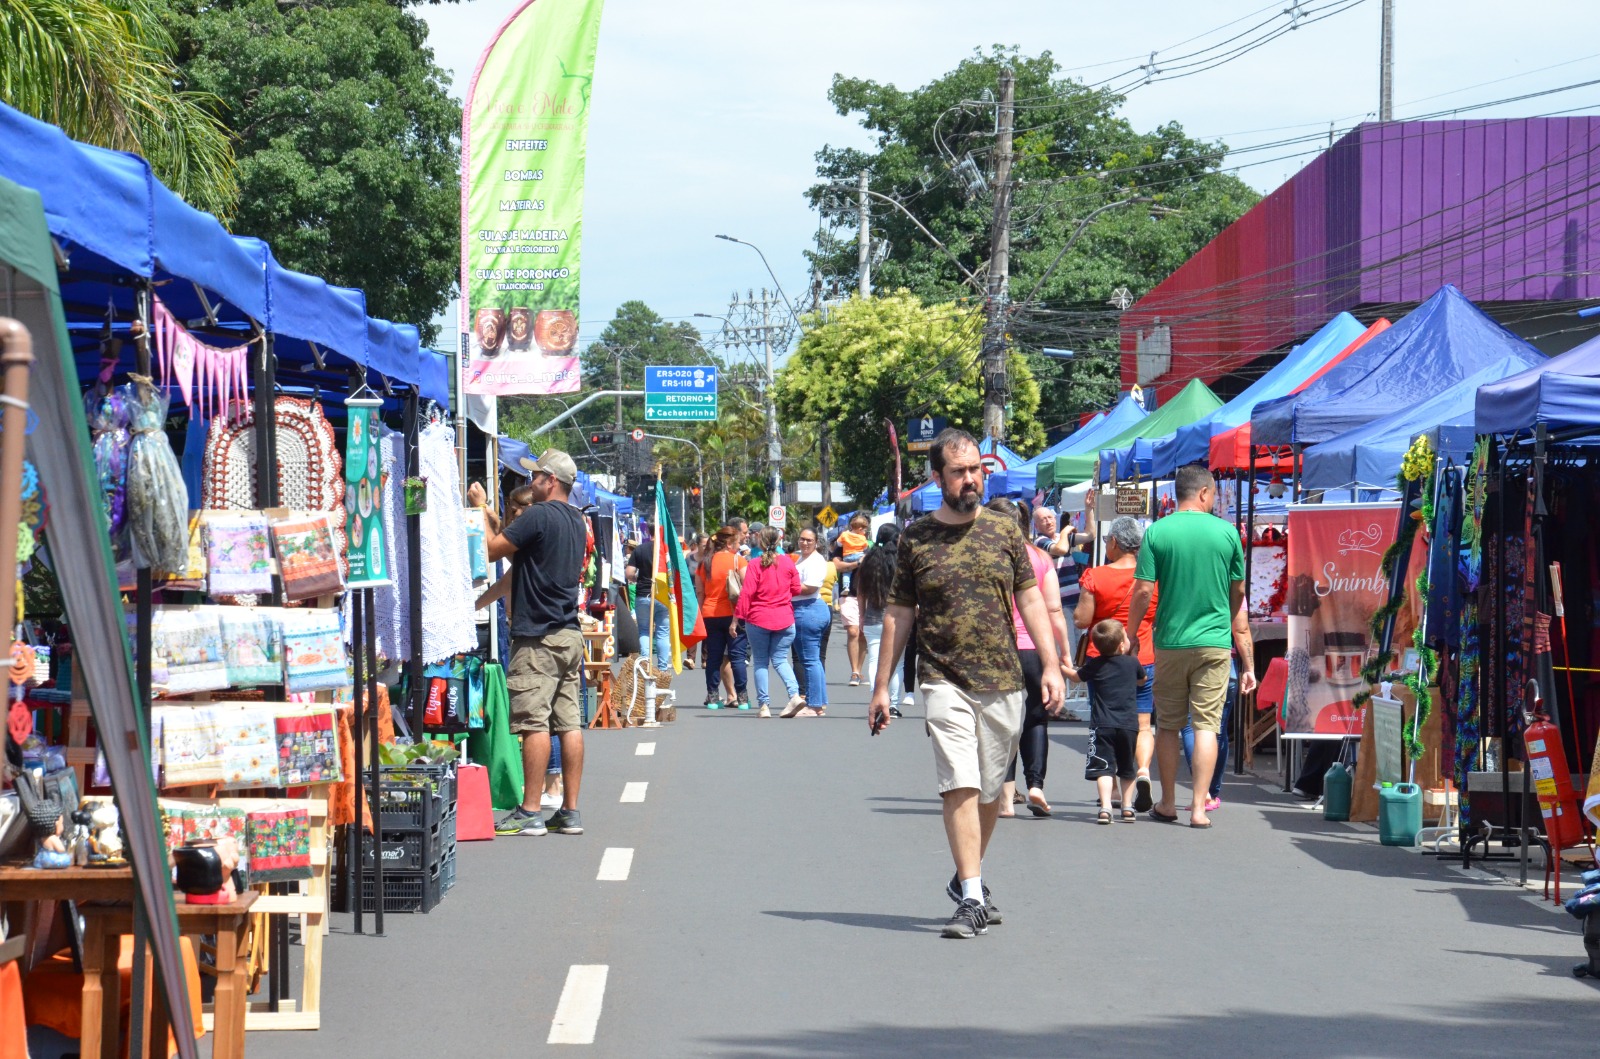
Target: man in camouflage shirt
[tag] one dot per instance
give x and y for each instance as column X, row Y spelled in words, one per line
column 960, row 571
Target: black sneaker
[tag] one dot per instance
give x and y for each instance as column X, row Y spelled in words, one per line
column 969, row 921
column 894, row 711
column 566, row 822
column 952, row 890
column 520, row 822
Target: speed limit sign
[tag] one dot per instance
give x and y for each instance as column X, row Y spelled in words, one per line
column 777, row 515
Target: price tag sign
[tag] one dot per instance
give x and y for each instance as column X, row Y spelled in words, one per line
column 1131, row 500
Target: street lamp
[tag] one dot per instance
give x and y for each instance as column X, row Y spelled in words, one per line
column 774, row 446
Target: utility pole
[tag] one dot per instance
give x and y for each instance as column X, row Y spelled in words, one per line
column 774, row 447
column 864, row 237
column 996, row 387
column 750, row 321
column 1386, row 64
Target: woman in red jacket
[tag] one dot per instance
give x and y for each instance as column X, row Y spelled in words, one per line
column 766, row 609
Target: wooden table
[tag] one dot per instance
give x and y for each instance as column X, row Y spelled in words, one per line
column 105, row 900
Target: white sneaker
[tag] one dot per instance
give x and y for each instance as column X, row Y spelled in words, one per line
column 908, row 700
column 550, row 801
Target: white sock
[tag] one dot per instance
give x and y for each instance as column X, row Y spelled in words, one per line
column 972, row 889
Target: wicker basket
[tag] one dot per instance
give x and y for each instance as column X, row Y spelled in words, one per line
column 628, row 691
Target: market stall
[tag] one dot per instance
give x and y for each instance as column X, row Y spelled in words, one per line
column 1126, row 412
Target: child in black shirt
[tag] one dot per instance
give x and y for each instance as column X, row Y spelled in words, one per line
column 1114, row 676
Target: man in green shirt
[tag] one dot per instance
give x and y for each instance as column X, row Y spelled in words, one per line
column 1197, row 561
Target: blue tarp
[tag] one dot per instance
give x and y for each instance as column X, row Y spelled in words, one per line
column 1192, row 443
column 1561, row 392
column 1443, row 341
column 433, row 373
column 1371, row 453
column 1124, row 414
column 1023, row 479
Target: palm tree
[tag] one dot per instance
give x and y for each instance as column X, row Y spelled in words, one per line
column 102, row 70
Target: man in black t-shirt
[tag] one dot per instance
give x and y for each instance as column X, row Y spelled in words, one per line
column 546, row 546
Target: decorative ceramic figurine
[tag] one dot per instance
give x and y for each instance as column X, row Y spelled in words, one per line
column 49, row 823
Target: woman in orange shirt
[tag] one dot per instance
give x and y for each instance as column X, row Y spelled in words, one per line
column 1104, row 593
column 717, row 610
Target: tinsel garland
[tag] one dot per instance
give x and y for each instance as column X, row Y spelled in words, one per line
column 1418, row 464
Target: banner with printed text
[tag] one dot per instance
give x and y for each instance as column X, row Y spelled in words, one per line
column 1335, row 585
column 524, row 140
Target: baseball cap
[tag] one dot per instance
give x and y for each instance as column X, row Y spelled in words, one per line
column 554, row 462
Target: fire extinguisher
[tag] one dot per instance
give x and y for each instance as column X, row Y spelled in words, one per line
column 1552, row 779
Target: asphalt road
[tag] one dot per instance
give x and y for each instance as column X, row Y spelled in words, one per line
column 785, row 894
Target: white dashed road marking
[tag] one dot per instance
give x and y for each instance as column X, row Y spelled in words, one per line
column 634, row 792
column 644, row 750
column 578, row 1012
column 615, row 863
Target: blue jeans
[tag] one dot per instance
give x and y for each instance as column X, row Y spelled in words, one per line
column 1222, row 736
column 769, row 648
column 719, row 643
column 663, row 630
column 811, row 617
column 874, row 635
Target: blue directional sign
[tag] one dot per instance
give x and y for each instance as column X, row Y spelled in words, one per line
column 680, row 393
column 921, row 432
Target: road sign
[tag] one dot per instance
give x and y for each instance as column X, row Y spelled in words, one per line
column 828, row 516
column 681, row 394
column 921, row 432
column 992, row 463
column 777, row 515
column 638, row 434
column 1132, row 500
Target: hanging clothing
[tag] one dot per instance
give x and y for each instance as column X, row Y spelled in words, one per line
column 495, row 745
column 448, row 602
column 392, row 602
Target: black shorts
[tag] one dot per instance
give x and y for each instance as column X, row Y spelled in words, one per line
column 1110, row 754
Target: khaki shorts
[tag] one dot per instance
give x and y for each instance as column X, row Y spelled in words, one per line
column 1191, row 686
column 543, row 682
column 974, row 736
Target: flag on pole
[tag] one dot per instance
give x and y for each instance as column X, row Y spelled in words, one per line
column 672, row 587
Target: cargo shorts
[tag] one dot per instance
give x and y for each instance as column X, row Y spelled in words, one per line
column 543, row 682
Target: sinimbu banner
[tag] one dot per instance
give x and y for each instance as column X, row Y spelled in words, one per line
column 1335, row 585
column 523, row 143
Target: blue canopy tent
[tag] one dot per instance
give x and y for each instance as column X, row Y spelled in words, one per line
column 928, row 497
column 1443, row 341
column 1371, row 453
column 1562, row 392
column 1192, row 443
column 1123, row 415
column 1023, row 480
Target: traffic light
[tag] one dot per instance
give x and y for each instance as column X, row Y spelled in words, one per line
column 602, row 437
column 694, row 490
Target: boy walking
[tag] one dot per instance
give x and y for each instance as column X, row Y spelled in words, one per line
column 1114, row 677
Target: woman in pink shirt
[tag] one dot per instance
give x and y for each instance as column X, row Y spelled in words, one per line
column 766, row 610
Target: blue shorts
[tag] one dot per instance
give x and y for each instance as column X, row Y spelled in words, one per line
column 1146, row 702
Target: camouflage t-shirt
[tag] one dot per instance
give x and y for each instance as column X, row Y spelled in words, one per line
column 962, row 580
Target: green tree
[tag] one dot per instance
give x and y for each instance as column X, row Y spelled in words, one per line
column 103, row 71
column 636, row 338
column 1074, row 153
column 892, row 358
column 347, row 139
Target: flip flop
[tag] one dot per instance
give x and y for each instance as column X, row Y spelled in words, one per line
column 1038, row 810
column 1200, row 827
column 1141, row 793
column 1162, row 818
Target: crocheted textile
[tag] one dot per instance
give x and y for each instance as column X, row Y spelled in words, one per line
column 447, row 596
column 392, row 602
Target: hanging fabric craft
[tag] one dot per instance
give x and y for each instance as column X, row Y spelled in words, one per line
column 307, row 558
column 478, row 544
column 209, row 378
column 158, row 501
column 186, row 650
column 369, row 564
column 313, row 651
column 278, row 840
column 252, row 639
column 310, row 469
column 237, row 558
column 109, row 418
column 448, row 602
column 307, row 749
column 392, row 601
column 188, row 821
column 191, row 745
column 192, row 578
column 247, row 735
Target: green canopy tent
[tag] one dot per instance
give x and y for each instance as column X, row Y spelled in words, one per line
column 78, row 542
column 1192, row 403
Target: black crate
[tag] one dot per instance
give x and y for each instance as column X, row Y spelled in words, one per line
column 441, row 777
column 404, row 891
column 409, row 805
column 411, row 850
column 447, row 873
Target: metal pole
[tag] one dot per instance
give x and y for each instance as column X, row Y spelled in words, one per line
column 1239, row 725
column 863, row 238
column 1386, row 64
column 774, row 446
column 356, row 843
column 413, row 573
column 995, row 383
column 371, row 665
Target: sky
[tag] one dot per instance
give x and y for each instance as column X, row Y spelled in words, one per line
column 706, row 114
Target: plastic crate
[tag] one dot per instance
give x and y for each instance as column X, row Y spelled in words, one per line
column 405, row 891
column 411, row 850
column 441, row 777
column 447, row 873
column 411, row 806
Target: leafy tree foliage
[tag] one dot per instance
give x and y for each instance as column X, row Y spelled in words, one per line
column 1073, row 154
column 346, row 137
column 891, row 358
column 103, row 71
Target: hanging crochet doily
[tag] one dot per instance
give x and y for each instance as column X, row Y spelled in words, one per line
column 310, row 469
